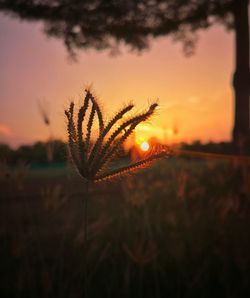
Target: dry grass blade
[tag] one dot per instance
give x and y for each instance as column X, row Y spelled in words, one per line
column 91, row 162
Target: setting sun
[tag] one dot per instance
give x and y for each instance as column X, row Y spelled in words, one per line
column 144, row 146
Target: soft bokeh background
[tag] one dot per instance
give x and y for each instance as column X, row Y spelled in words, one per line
column 178, row 228
column 194, row 93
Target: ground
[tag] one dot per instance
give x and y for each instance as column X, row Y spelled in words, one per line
column 177, row 229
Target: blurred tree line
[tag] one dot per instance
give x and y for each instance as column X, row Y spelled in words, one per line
column 36, row 153
column 39, row 153
column 210, row 147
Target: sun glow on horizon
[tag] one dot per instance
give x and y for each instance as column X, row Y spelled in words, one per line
column 144, row 132
column 144, row 146
column 195, row 96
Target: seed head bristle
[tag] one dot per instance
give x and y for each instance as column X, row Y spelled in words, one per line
column 71, row 108
column 109, row 149
column 89, row 126
column 131, row 168
column 72, row 137
column 71, row 125
column 106, row 130
column 81, row 115
column 105, row 158
column 90, row 162
column 98, row 111
column 134, row 120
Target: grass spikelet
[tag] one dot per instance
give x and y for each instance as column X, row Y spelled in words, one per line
column 72, row 136
column 98, row 111
column 107, row 128
column 131, row 168
column 109, row 148
column 89, row 126
column 81, row 115
column 134, row 120
column 116, row 146
column 90, row 162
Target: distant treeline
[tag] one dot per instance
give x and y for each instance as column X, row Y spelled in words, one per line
column 210, row 147
column 40, row 152
column 56, row 151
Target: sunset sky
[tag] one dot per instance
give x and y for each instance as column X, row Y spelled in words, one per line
column 194, row 94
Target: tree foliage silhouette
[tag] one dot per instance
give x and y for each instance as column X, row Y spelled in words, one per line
column 103, row 24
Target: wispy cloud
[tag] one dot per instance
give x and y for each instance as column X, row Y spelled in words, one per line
column 5, row 130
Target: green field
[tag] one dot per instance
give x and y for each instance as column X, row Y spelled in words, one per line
column 178, row 229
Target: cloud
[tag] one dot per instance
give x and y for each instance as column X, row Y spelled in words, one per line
column 5, row 130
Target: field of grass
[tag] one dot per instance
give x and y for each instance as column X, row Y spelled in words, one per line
column 178, row 229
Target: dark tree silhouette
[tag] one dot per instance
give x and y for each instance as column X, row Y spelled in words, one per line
column 102, row 24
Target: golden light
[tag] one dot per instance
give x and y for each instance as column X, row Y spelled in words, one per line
column 144, row 146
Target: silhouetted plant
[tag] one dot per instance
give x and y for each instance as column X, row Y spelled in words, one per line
column 92, row 161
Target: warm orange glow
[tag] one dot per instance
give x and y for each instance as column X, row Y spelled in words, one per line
column 145, row 132
column 144, row 146
column 195, row 96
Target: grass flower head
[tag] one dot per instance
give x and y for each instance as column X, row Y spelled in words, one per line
column 92, row 160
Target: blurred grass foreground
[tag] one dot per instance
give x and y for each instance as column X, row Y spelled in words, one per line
column 178, row 229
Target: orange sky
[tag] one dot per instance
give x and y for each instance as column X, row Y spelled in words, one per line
column 194, row 94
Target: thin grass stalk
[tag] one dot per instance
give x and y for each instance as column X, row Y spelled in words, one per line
column 151, row 236
column 85, row 239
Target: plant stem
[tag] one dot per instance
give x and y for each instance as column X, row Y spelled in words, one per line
column 85, row 240
column 86, row 214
